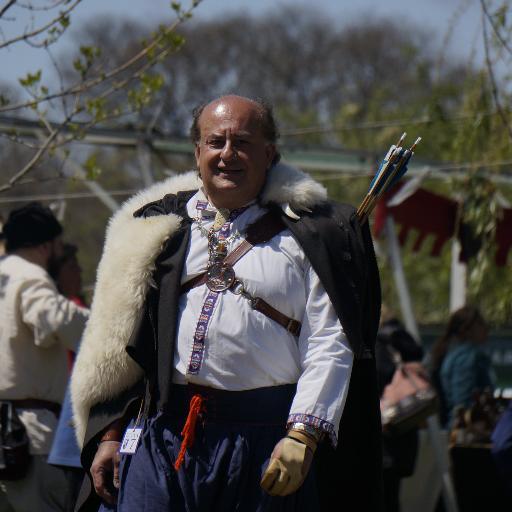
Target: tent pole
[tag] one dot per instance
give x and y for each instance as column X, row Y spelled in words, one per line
column 441, row 455
column 400, row 281
column 457, row 278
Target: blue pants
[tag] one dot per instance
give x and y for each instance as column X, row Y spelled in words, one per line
column 222, row 470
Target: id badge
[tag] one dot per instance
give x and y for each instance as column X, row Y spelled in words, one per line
column 130, row 440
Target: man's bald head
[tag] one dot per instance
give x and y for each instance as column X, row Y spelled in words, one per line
column 233, row 153
column 262, row 110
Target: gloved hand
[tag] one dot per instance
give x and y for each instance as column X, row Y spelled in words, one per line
column 105, row 471
column 289, row 464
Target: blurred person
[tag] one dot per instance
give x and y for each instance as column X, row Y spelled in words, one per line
column 67, row 274
column 241, row 397
column 460, row 366
column 65, row 453
column 37, row 326
column 502, row 448
column 399, row 450
column 2, row 238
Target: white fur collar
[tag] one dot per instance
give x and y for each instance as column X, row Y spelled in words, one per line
column 102, row 368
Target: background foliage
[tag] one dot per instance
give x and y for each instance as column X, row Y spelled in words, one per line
column 354, row 89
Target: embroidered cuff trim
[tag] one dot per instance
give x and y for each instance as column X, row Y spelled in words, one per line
column 322, row 425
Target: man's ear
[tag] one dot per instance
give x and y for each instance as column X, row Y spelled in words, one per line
column 270, row 151
column 197, row 153
column 45, row 249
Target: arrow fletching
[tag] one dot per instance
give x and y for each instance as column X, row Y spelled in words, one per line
column 390, row 171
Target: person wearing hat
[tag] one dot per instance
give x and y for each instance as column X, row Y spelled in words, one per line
column 37, row 327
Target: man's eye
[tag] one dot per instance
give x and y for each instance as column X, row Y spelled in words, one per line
column 216, row 143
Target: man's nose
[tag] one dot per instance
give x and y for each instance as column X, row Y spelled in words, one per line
column 228, row 152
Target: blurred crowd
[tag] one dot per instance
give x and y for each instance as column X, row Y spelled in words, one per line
column 42, row 307
column 478, row 424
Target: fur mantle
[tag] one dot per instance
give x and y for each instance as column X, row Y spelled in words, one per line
column 103, row 369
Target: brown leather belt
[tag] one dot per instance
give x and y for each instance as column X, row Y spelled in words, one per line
column 261, row 231
column 35, row 403
column 288, row 323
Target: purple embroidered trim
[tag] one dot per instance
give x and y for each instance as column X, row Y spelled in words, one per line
column 201, row 205
column 198, row 344
column 196, row 357
column 318, row 423
column 224, row 230
column 233, row 214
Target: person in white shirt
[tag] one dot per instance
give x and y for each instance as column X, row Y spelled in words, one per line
column 220, row 300
column 37, row 326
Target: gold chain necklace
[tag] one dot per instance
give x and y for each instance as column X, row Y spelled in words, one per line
column 206, row 232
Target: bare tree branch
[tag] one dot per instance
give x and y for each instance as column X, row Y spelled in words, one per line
column 31, row 7
column 6, row 7
column 27, row 35
column 492, row 78
column 61, row 79
column 497, row 33
column 153, row 53
column 81, row 87
column 18, row 140
column 48, row 143
column 30, row 165
column 373, row 125
column 136, row 75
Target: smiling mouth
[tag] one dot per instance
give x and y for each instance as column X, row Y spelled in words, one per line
column 228, row 171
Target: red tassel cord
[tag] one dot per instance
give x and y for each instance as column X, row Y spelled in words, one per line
column 189, row 430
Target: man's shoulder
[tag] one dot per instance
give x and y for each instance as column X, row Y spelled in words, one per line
column 342, row 211
column 334, row 210
column 331, row 222
column 169, row 203
column 157, row 192
column 334, row 214
column 20, row 267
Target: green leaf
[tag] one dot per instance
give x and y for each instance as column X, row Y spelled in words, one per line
column 96, row 107
column 500, row 16
column 152, row 82
column 64, row 21
column 31, row 79
column 92, row 168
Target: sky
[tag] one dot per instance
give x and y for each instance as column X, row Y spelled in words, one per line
column 454, row 23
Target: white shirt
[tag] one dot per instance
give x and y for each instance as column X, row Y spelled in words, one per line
column 37, row 324
column 244, row 349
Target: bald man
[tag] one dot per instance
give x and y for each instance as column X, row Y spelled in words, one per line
column 234, row 313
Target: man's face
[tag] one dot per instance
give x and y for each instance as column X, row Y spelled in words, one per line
column 232, row 156
column 69, row 278
column 54, row 249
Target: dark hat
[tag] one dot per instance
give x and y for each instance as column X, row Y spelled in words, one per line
column 30, row 225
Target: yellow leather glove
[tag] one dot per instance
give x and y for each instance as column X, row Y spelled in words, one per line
column 289, row 464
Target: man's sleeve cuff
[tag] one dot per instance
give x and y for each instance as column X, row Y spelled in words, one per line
column 323, row 426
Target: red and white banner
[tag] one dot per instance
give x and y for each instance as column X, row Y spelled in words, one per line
column 432, row 214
